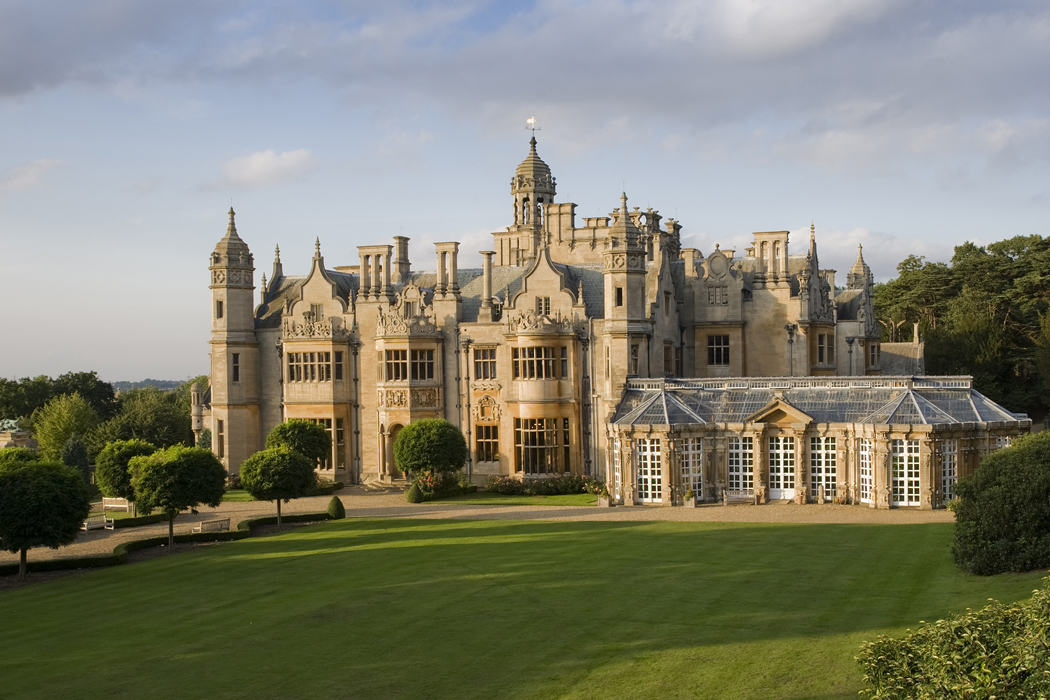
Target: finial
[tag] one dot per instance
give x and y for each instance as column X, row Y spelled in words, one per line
column 233, row 226
column 277, row 254
column 264, row 281
column 623, row 202
column 317, row 247
column 812, row 230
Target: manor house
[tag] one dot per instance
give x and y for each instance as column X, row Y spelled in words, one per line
column 595, row 346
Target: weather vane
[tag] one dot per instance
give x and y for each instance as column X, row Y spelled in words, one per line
column 530, row 123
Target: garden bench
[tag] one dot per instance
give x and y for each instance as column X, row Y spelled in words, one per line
column 97, row 522
column 116, row 504
column 217, row 525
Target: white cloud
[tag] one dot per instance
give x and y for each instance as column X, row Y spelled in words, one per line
column 266, row 168
column 29, row 175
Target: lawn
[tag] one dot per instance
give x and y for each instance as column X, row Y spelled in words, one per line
column 491, row 498
column 237, row 496
column 480, row 609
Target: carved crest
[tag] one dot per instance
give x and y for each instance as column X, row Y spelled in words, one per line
column 487, row 409
column 410, row 314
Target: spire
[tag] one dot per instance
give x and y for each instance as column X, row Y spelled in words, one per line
column 813, row 241
column 278, row 269
column 623, row 203
column 233, row 226
column 277, row 255
column 231, row 250
column 860, row 274
column 317, row 247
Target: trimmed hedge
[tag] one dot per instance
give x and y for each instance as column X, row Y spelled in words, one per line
column 1000, row 651
column 120, row 552
column 449, row 492
column 120, row 523
column 336, row 509
column 556, row 486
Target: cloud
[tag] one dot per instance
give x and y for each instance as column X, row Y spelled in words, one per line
column 266, row 168
column 29, row 175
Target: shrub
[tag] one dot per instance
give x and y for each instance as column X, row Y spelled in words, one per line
column 233, row 481
column 42, row 504
column 557, row 486
column 414, row 494
column 18, row 455
column 998, row 652
column 177, row 478
column 276, row 474
column 112, row 470
column 336, row 511
column 305, row 437
column 1002, row 521
column 430, row 445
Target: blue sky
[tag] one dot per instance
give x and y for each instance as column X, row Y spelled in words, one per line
column 127, row 128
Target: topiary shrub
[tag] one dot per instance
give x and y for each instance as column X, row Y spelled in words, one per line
column 999, row 651
column 430, row 445
column 336, row 511
column 305, row 437
column 18, row 455
column 414, row 493
column 112, row 473
column 1002, row 520
column 276, row 474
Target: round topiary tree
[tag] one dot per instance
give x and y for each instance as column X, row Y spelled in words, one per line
column 42, row 504
column 430, row 445
column 1002, row 522
column 277, row 473
column 175, row 479
column 112, row 467
column 305, row 437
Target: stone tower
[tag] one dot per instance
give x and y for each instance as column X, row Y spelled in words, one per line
column 234, row 352
column 627, row 329
column 533, row 188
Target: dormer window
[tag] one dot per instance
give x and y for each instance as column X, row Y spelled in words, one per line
column 543, row 306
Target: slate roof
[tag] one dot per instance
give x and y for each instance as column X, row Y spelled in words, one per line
column 876, row 400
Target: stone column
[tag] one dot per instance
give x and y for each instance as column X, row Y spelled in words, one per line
column 439, row 286
column 388, row 454
column 761, row 474
column 800, row 466
column 882, row 472
column 377, row 280
column 386, row 273
column 486, row 286
column 365, row 276
column 454, row 270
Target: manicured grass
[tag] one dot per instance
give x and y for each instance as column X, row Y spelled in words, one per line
column 479, row 609
column 491, row 498
column 237, row 495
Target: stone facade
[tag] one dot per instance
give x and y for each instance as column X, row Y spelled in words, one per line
column 532, row 355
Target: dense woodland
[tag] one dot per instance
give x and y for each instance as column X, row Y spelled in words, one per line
column 983, row 314
column 81, row 404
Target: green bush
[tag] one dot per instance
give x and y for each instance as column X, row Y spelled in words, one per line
column 556, row 486
column 336, row 511
column 112, row 473
column 1002, row 521
column 1000, row 651
column 414, row 493
column 18, row 455
column 276, row 474
column 430, row 445
column 305, row 437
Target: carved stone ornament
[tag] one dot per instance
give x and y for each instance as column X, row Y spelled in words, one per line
column 425, row 397
column 328, row 328
column 529, row 320
column 393, row 398
column 487, row 409
column 218, row 277
column 395, row 320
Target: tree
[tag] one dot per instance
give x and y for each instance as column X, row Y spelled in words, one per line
column 1002, row 522
column 430, row 445
column 147, row 414
column 277, row 473
column 61, row 418
column 204, row 440
column 75, row 455
column 97, row 393
column 18, row 455
column 21, row 398
column 112, row 467
column 175, row 479
column 42, row 504
column 305, row 437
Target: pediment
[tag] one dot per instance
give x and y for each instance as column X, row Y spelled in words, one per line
column 779, row 412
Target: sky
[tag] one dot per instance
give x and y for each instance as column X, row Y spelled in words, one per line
column 127, row 130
